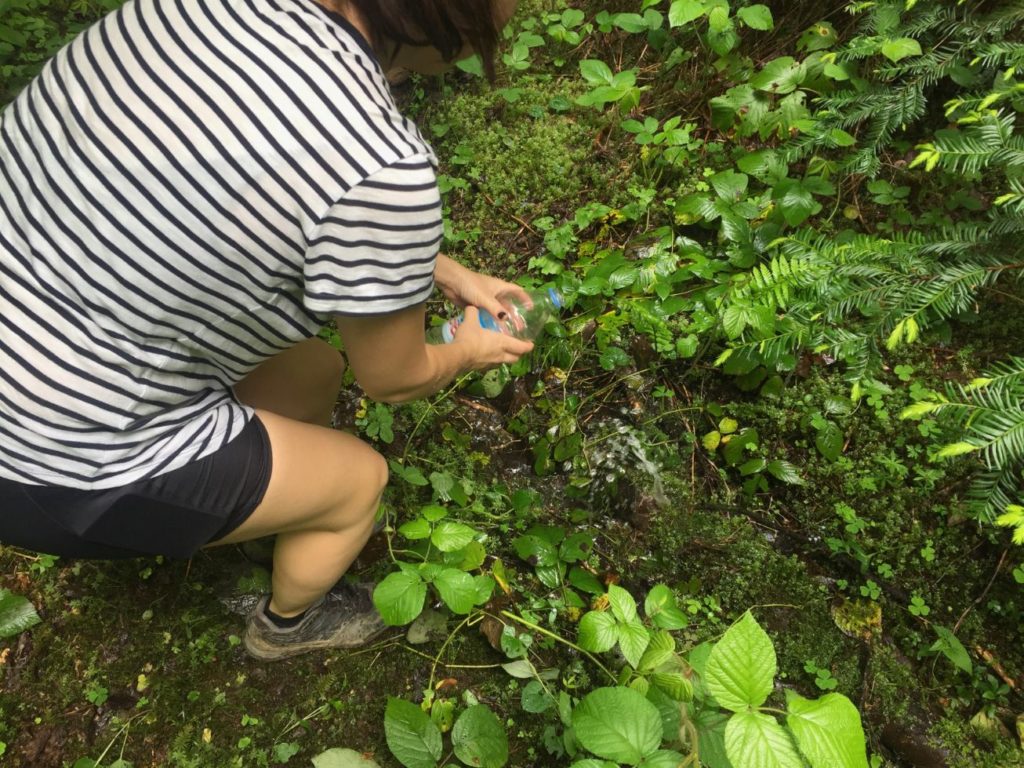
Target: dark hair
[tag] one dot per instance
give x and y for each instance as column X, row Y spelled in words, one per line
column 447, row 25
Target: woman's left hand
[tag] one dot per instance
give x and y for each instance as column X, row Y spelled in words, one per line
column 464, row 287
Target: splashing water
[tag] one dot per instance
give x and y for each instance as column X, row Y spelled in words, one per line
column 620, row 450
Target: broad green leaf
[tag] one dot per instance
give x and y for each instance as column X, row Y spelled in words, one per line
column 596, row 72
column 585, row 581
column 535, row 699
column 412, row 736
column 730, row 185
column 900, row 48
column 710, row 724
column 674, row 684
column 479, row 739
column 457, row 589
column 756, row 740
column 741, row 667
column 663, row 758
column 433, row 512
column 449, row 536
column 618, row 724
column 950, row 647
column 622, row 603
column 415, row 529
column 598, row 632
column 684, row 11
column 535, row 550
column 756, row 17
column 669, row 711
column 399, row 598
column 781, row 75
column 956, row 449
column 633, row 640
column 828, row 731
column 593, row 764
column 784, row 471
column 342, row 758
column 473, row 65
column 829, row 441
column 16, row 614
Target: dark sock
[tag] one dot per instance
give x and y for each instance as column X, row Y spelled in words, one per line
column 282, row 622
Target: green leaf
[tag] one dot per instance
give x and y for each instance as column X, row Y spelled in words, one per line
column 710, row 724
column 399, row 598
column 16, row 614
column 598, row 632
column 633, row 640
column 449, row 536
column 535, row 550
column 674, row 684
column 730, row 185
column 457, row 589
column 755, row 740
column 756, row 17
column 338, row 758
column 618, row 724
column 741, row 668
column 784, row 471
column 415, row 529
column 622, row 603
column 412, row 736
column 828, row 731
column 829, row 441
column 663, row 758
column 596, row 72
column 589, row 763
column 434, row 512
column 473, row 65
column 535, row 699
column 900, row 48
column 660, row 607
column 684, row 11
column 956, row 449
column 479, row 739
column 950, row 647
column 781, row 75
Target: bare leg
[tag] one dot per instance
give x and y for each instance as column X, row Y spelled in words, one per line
column 325, row 485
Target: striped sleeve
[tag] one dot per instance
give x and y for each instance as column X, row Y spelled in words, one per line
column 375, row 249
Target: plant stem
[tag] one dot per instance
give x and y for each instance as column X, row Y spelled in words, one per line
column 559, row 638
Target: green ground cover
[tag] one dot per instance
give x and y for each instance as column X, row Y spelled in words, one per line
column 788, row 237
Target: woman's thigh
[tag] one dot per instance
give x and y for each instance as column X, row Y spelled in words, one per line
column 320, row 478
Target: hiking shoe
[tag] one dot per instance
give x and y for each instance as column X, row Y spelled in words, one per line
column 343, row 618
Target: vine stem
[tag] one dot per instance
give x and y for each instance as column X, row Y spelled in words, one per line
column 447, row 642
column 559, row 638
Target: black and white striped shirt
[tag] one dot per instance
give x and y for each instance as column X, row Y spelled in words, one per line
column 188, row 188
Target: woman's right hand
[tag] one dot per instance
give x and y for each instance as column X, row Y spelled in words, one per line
column 487, row 349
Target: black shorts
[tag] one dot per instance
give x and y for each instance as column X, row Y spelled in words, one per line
column 174, row 514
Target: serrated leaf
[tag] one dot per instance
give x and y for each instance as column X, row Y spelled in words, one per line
column 622, row 603
column 449, row 536
column 633, row 640
column 598, row 632
column 684, row 11
column 16, row 614
column 663, row 758
column 399, row 598
column 415, row 529
column 756, row 740
column 784, row 471
column 828, row 731
column 674, row 684
column 756, row 17
column 741, row 668
column 829, row 441
column 457, row 589
column 412, row 736
column 479, row 739
column 660, row 606
column 618, row 724
column 596, row 72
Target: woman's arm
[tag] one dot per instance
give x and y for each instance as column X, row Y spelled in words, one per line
column 393, row 363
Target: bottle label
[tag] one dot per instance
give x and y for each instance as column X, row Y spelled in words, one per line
column 487, row 322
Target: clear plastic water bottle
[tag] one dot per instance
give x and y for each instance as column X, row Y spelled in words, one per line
column 522, row 320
